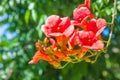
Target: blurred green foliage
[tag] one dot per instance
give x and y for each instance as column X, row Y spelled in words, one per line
column 25, row 18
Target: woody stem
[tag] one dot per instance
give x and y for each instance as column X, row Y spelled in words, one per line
column 112, row 25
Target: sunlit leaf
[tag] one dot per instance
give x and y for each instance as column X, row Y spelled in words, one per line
column 34, row 15
column 27, row 16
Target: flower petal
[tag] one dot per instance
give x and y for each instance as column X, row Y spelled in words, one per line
column 52, row 41
column 57, row 27
column 98, row 45
column 55, row 34
column 53, row 20
column 46, row 30
column 59, row 54
column 80, row 13
column 68, row 32
column 87, row 38
column 87, row 3
column 40, row 56
column 74, row 39
column 91, row 26
column 65, row 23
column 101, row 24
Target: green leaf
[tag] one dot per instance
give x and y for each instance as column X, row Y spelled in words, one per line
column 118, row 7
column 34, row 15
column 27, row 16
column 106, row 1
column 38, row 28
column 108, row 11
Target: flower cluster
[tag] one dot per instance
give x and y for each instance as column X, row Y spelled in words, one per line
column 71, row 40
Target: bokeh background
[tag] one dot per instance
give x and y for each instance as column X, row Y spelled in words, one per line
column 20, row 23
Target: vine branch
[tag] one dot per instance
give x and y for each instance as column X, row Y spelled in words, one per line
column 112, row 25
